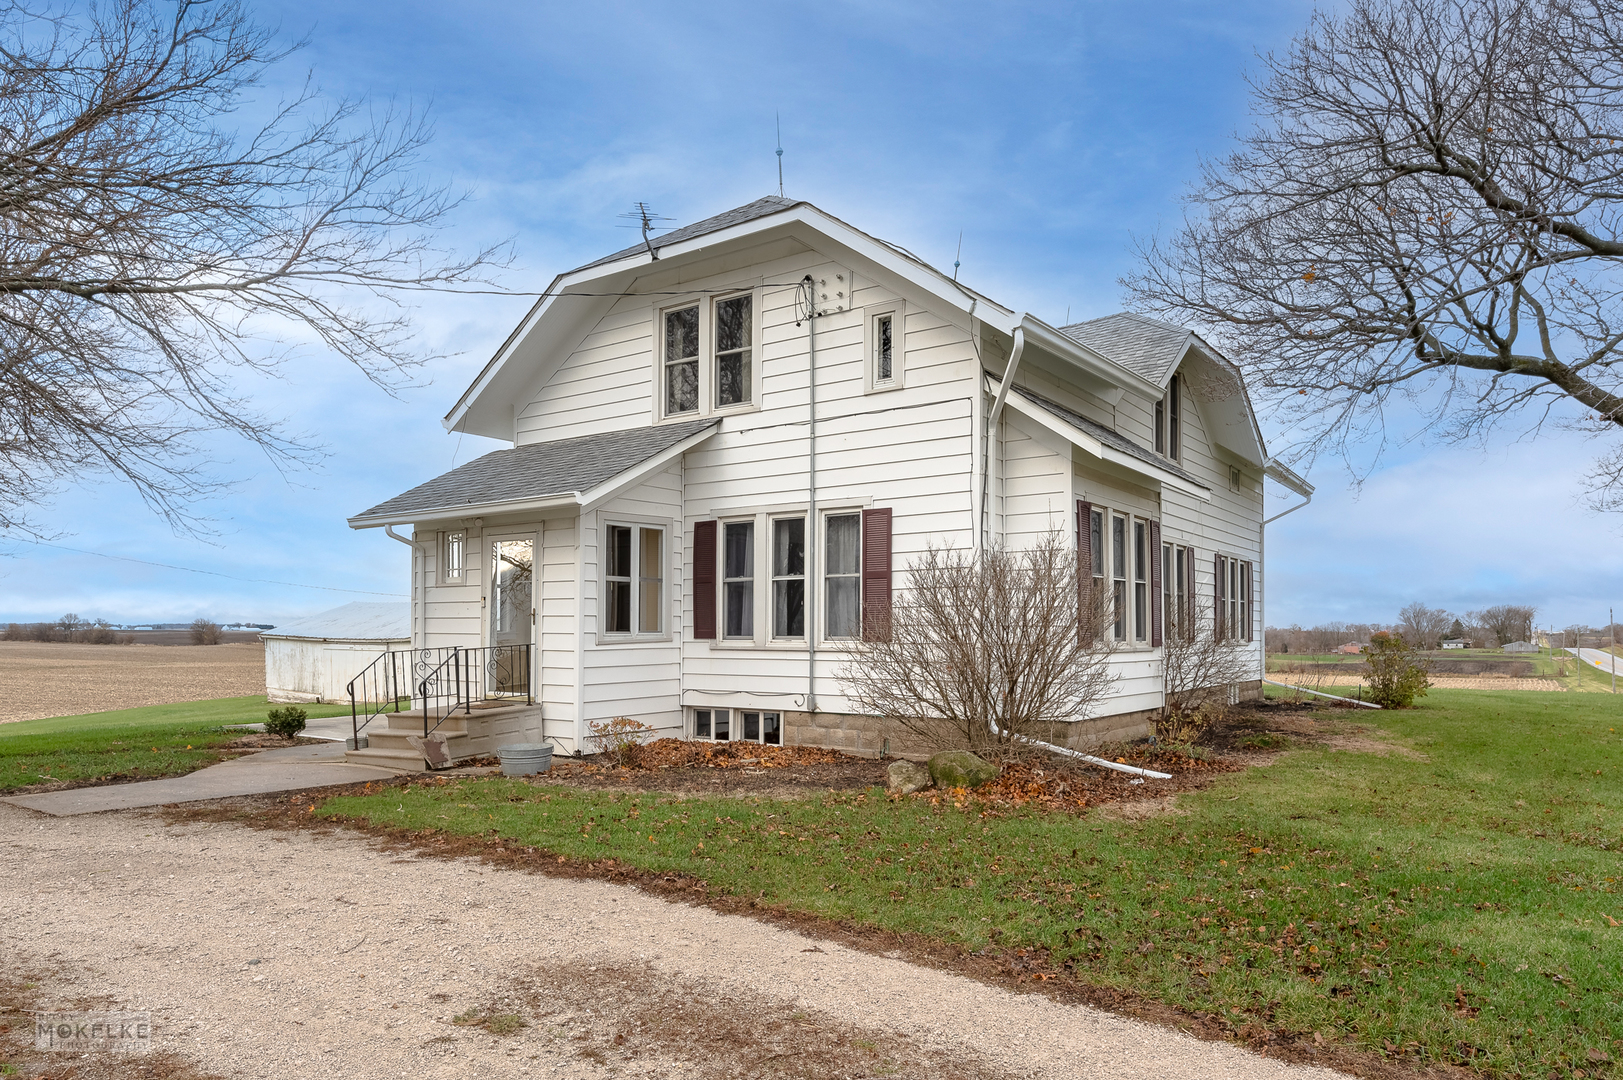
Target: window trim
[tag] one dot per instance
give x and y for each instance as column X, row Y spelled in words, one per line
column 706, row 302
column 872, row 313
column 443, row 575
column 712, row 359
column 823, row 635
column 665, row 528
column 736, row 721
column 772, row 576
column 757, row 593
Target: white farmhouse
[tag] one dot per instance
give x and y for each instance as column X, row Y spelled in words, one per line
column 729, row 442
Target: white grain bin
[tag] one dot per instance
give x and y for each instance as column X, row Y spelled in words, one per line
column 313, row 659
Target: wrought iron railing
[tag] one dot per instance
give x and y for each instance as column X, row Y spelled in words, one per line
column 464, row 676
column 385, row 683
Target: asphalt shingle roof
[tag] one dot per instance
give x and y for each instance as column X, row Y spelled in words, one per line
column 760, row 208
column 1108, row 436
column 538, row 470
column 1144, row 346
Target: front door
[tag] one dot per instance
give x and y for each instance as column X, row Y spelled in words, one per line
column 511, row 614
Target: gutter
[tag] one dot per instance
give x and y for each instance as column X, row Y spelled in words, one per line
column 983, row 527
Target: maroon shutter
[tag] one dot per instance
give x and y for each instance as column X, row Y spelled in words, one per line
column 876, row 575
column 704, row 580
column 1158, row 603
column 1217, row 596
column 1084, row 569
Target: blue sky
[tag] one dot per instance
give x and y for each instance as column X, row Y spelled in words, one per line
column 1048, row 135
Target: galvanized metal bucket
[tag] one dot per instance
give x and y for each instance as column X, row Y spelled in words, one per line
column 525, row 759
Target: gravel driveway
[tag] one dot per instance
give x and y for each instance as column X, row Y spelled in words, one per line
column 291, row 955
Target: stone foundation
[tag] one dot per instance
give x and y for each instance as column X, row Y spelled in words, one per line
column 869, row 736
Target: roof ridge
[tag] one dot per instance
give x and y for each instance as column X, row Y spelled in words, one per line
column 1129, row 315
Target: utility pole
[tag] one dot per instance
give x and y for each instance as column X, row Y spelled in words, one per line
column 1611, row 620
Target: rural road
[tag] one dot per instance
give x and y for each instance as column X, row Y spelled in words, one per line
column 301, row 954
column 1601, row 659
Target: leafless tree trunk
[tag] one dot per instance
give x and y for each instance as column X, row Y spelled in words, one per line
column 148, row 247
column 1428, row 208
column 980, row 651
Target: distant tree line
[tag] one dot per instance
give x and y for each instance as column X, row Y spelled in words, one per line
column 1421, row 626
column 69, row 627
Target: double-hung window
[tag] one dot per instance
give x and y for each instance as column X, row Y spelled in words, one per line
column 682, row 360
column 842, row 574
column 633, row 579
column 1118, row 571
column 789, row 577
column 734, row 328
column 1175, row 567
column 1233, row 598
column 1169, row 421
column 738, row 579
column 1141, row 582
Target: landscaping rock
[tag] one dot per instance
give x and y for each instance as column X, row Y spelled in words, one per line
column 960, row 768
column 906, row 777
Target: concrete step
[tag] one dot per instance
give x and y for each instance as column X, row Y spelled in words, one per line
column 407, row 761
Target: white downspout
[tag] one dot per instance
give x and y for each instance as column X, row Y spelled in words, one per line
column 812, row 549
column 1262, row 557
column 1009, row 369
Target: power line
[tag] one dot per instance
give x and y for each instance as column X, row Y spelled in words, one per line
column 210, row 573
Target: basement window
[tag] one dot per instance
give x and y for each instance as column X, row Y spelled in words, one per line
column 738, row 725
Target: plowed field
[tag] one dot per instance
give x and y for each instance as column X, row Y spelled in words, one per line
column 60, row 679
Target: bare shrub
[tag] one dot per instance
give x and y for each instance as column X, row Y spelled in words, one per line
column 620, row 739
column 1200, row 676
column 206, row 632
column 981, row 652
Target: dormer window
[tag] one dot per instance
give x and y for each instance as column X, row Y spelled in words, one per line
column 1169, row 422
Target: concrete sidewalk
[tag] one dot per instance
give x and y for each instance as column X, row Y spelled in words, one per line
column 288, row 769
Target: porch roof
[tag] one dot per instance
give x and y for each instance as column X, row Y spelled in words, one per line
column 566, row 470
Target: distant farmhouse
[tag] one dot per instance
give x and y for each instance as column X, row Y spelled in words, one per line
column 1352, row 648
column 1456, row 643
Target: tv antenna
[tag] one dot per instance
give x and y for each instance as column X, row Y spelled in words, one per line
column 955, row 258
column 643, row 215
column 779, row 119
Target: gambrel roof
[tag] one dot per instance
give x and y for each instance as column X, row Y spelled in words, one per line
column 566, row 470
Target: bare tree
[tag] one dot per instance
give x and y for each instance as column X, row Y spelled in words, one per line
column 1505, row 623
column 1427, row 210
column 206, row 632
column 979, row 652
column 148, row 248
column 1200, row 676
column 1424, row 626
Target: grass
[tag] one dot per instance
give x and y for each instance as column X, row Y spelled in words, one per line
column 136, row 744
column 1458, row 908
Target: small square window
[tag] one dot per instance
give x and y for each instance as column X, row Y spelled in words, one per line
column 1234, row 478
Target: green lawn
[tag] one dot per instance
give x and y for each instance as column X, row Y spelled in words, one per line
column 136, row 744
column 1460, row 907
